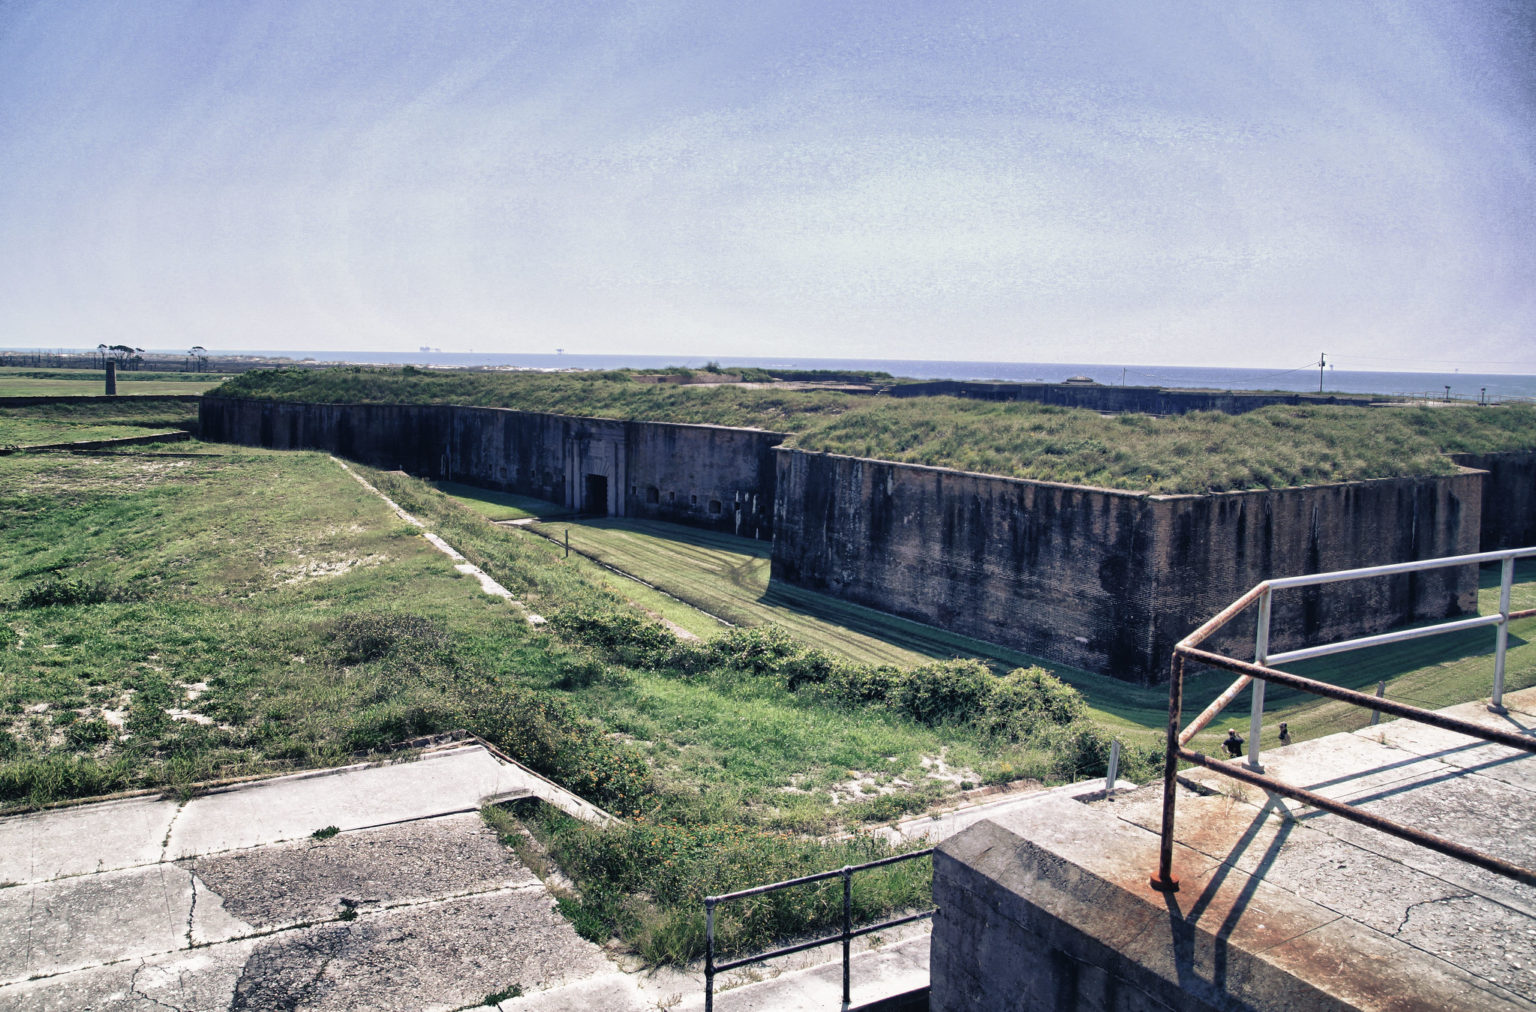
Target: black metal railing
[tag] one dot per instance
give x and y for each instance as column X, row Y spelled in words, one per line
column 846, row 935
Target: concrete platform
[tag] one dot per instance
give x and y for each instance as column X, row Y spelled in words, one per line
column 1280, row 906
column 229, row 902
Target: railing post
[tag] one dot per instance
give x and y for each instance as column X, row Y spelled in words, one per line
column 709, row 954
column 1260, row 657
column 1163, row 880
column 847, row 930
column 1113, row 773
column 1507, row 579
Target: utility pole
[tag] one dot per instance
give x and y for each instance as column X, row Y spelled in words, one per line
column 1322, row 360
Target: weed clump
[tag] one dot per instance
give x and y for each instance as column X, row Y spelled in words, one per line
column 59, row 591
column 375, row 636
column 646, row 881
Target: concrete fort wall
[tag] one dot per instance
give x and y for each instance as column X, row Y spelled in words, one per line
column 701, row 475
column 1054, row 570
column 1210, row 549
column 1110, row 580
column 1509, row 497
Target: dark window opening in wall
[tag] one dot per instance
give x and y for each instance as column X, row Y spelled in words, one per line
column 714, row 507
column 596, row 499
column 652, row 494
column 671, row 497
column 633, row 490
column 693, row 500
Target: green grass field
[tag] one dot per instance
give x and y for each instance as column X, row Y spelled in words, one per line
column 18, row 382
column 68, row 422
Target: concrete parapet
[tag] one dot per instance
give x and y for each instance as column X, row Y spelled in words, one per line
column 1049, row 907
column 1050, row 910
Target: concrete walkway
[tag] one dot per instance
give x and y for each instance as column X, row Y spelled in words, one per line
column 229, row 900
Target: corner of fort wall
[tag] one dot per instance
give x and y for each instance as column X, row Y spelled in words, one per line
column 1509, row 497
column 1109, row 580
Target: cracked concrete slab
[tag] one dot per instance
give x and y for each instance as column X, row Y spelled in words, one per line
column 364, row 869
column 289, row 808
column 444, row 955
column 88, row 919
column 412, row 904
column 83, row 839
column 199, row 980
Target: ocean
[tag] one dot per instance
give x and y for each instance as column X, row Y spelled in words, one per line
column 1462, row 386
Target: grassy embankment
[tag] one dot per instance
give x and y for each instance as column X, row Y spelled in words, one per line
column 208, row 612
column 72, row 421
column 20, row 382
column 1204, row 451
column 704, row 574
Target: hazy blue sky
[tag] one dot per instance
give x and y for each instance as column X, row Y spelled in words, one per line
column 1225, row 183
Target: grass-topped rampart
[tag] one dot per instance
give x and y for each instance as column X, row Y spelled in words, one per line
column 1273, row 447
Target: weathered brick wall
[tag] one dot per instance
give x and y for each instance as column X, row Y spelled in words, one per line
column 1108, row 580
column 1509, row 497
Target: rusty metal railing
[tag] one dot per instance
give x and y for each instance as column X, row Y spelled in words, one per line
column 1259, row 672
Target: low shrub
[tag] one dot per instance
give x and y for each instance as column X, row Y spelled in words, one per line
column 945, row 691
column 1026, row 698
column 68, row 591
column 550, row 737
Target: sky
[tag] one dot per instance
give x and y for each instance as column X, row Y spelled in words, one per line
column 1226, row 183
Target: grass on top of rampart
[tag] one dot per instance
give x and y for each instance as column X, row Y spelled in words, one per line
column 103, row 418
column 1273, row 447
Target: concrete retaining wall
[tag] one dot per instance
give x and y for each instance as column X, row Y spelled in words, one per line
column 701, row 475
column 1054, row 570
column 1109, row 580
column 1509, row 497
column 174, row 436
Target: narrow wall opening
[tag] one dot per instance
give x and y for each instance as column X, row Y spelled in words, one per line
column 595, row 500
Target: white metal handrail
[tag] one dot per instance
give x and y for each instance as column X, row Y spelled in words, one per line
column 1264, row 592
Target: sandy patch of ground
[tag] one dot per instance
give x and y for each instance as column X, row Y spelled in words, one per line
column 319, row 569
